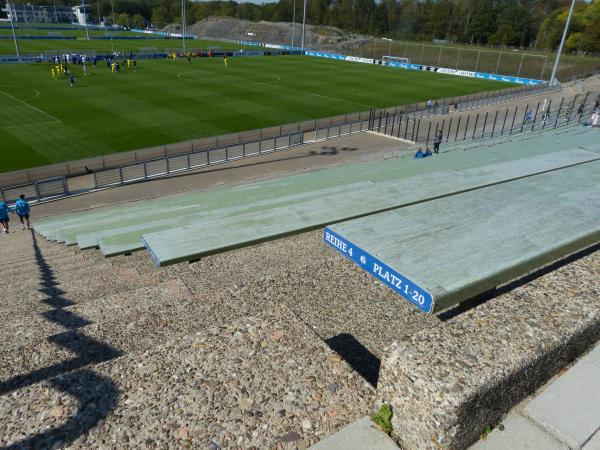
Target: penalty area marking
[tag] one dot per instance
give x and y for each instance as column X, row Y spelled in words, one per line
column 35, row 95
column 36, row 124
column 182, row 76
column 31, row 106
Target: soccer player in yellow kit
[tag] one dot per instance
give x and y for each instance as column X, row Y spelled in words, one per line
column 225, row 59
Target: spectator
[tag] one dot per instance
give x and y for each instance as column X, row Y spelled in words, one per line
column 437, row 141
column 580, row 112
column 4, row 216
column 22, row 210
column 419, row 154
column 429, row 104
column 528, row 116
column 427, row 152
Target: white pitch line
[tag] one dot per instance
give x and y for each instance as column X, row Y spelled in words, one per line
column 31, row 106
column 181, row 75
column 36, row 95
column 49, row 122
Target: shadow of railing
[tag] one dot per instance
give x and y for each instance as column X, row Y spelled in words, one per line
column 96, row 395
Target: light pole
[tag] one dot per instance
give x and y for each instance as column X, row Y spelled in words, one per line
column 553, row 79
column 183, row 24
column 12, row 26
column 293, row 23
column 303, row 24
column 112, row 9
column 87, row 33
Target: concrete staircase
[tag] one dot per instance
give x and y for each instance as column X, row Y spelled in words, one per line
column 114, row 353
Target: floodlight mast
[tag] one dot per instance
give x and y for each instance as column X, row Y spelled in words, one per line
column 303, row 24
column 553, row 79
column 183, row 24
column 87, row 33
column 12, row 26
column 293, row 23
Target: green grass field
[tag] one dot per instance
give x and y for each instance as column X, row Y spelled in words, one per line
column 44, row 121
column 35, row 47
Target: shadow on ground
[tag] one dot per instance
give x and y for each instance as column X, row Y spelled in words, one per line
column 96, row 395
column 357, row 356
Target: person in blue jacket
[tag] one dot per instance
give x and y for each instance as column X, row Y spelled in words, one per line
column 4, row 216
column 427, row 152
column 22, row 210
column 419, row 154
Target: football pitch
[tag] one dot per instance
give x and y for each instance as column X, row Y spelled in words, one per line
column 45, row 121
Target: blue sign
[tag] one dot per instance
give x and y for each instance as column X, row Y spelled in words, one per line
column 399, row 283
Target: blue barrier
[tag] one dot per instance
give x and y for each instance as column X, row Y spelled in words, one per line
column 134, row 38
column 162, row 33
column 408, row 66
column 55, row 38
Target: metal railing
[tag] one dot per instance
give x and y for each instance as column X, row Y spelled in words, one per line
column 110, row 161
column 160, row 167
column 40, row 190
column 533, row 117
column 136, row 167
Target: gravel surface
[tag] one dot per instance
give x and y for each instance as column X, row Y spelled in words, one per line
column 277, row 345
column 263, row 381
column 446, row 384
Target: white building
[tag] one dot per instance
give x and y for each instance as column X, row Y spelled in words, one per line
column 81, row 15
column 21, row 12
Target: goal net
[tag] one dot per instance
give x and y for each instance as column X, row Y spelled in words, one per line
column 388, row 59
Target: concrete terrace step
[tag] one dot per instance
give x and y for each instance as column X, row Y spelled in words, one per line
column 24, row 302
column 124, row 307
column 68, row 227
column 259, row 380
column 342, row 304
column 51, row 274
column 39, row 269
column 206, row 236
column 520, row 226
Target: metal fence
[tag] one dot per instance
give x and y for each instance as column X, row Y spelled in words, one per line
column 40, row 190
column 113, row 170
column 83, row 166
column 531, row 117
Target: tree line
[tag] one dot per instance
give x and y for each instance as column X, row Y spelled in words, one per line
column 520, row 23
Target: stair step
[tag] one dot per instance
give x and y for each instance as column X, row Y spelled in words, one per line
column 257, row 380
column 124, row 307
column 87, row 288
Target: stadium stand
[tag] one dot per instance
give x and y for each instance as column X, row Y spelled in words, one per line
column 440, row 252
column 119, row 230
column 281, row 344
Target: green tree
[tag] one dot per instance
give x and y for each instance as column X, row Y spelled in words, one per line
column 160, row 16
column 123, row 19
column 137, row 21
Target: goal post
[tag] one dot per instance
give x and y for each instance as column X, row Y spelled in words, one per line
column 396, row 59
